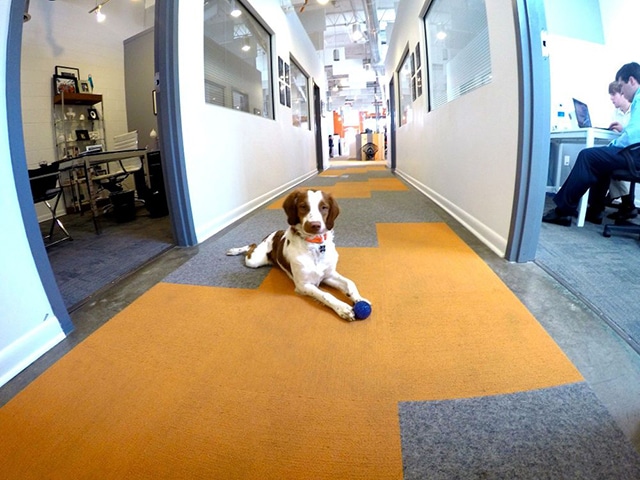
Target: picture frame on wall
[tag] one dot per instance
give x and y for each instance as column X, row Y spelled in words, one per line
column 67, row 72
column 64, row 84
column 418, row 56
column 82, row 135
column 84, row 86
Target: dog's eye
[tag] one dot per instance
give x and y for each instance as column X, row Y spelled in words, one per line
column 303, row 207
column 324, row 208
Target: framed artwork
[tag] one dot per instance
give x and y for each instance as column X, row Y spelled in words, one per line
column 82, row 135
column 419, row 82
column 413, row 64
column 418, row 61
column 84, row 86
column 280, row 69
column 67, row 72
column 64, row 84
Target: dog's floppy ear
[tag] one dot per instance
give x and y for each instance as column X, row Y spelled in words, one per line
column 334, row 210
column 291, row 207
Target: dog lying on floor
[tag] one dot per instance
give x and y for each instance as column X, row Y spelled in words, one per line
column 306, row 251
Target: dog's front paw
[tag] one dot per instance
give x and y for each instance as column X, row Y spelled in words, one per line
column 346, row 312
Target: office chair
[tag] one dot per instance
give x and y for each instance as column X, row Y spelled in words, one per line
column 112, row 180
column 630, row 174
column 44, row 188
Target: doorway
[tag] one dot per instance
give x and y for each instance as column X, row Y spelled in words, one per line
column 392, row 122
column 90, row 262
column 317, row 125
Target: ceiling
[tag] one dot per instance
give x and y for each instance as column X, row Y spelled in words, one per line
column 354, row 66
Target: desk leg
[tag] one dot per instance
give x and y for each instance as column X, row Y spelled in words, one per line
column 582, row 209
column 92, row 199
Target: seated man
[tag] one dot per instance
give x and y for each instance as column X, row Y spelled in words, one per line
column 593, row 166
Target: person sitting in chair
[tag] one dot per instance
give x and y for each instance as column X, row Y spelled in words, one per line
column 593, row 166
column 618, row 189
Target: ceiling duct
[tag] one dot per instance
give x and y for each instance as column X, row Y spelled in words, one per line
column 373, row 29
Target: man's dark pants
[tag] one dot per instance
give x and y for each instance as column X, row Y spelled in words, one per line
column 592, row 170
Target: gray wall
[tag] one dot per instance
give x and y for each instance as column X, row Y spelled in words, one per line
column 139, row 84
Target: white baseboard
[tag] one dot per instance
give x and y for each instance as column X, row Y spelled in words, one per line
column 28, row 348
column 490, row 238
column 236, row 214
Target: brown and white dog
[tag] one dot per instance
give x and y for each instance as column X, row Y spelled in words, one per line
column 306, row 251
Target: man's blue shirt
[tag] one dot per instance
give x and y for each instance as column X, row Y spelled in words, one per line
column 631, row 133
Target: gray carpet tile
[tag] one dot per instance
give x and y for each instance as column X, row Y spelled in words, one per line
column 556, row 433
column 355, row 227
column 90, row 262
column 212, row 267
column 603, row 272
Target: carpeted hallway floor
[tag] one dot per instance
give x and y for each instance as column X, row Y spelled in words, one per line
column 221, row 371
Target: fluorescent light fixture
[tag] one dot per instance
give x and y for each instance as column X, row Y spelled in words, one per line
column 246, row 46
column 323, row 2
column 441, row 35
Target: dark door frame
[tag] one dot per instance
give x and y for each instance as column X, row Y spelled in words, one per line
column 392, row 124
column 533, row 141
column 317, row 125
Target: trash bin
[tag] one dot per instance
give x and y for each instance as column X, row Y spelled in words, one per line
column 124, row 205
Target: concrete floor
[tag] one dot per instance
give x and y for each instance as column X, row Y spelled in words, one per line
column 608, row 364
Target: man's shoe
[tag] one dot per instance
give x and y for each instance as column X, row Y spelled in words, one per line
column 552, row 216
column 594, row 216
column 624, row 214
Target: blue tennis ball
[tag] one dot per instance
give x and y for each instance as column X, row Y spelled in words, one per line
column 361, row 310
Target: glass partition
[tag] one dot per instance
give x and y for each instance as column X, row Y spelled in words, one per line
column 458, row 55
column 237, row 59
column 299, row 97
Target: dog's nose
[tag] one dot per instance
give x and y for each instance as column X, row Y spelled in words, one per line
column 315, row 226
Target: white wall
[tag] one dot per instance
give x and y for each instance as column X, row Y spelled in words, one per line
column 464, row 154
column 236, row 161
column 28, row 327
column 64, row 33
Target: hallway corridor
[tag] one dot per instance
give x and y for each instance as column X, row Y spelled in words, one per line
column 556, row 399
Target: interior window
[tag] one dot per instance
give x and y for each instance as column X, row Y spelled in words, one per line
column 404, row 85
column 458, row 55
column 237, row 59
column 299, row 97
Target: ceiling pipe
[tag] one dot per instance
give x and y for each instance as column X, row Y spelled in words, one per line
column 373, row 27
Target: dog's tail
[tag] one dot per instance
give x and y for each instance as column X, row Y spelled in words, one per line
column 239, row 250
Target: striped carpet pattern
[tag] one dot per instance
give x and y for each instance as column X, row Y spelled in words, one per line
column 223, row 372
